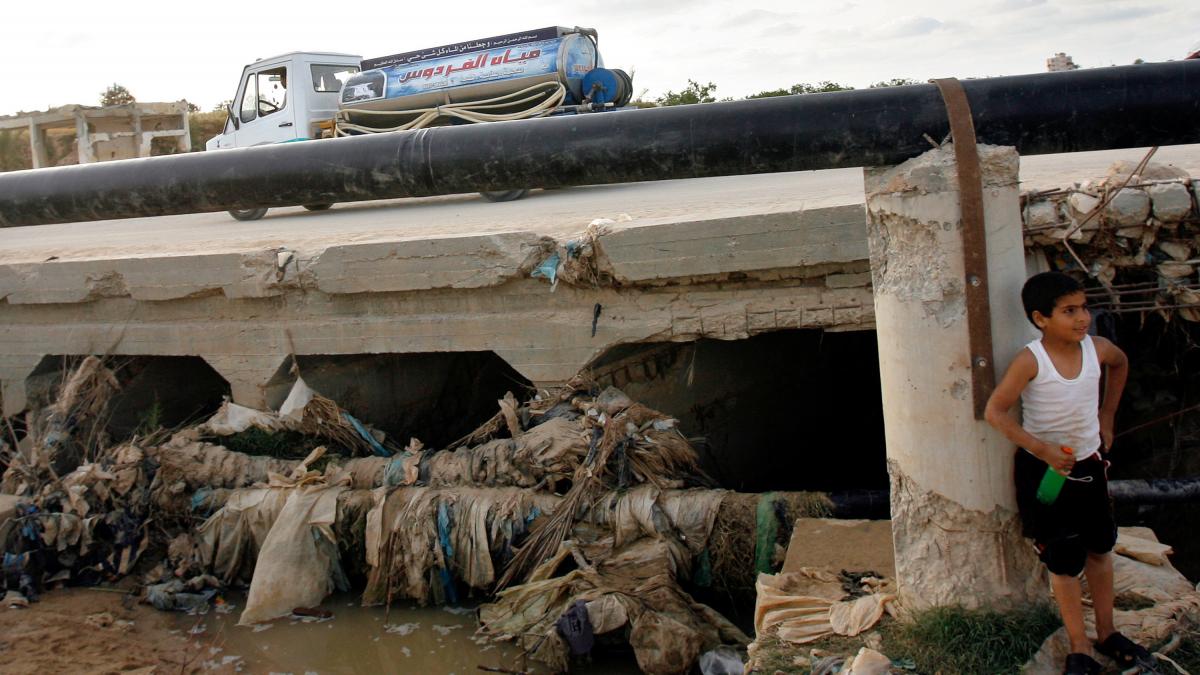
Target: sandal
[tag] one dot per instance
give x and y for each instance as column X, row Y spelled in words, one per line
column 1126, row 653
column 1081, row 664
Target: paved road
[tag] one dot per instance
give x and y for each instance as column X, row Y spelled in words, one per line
column 554, row 212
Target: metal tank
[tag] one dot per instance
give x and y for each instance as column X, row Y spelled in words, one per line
column 475, row 70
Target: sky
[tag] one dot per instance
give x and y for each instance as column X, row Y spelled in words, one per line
column 70, row 52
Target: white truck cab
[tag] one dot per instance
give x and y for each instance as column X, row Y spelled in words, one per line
column 285, row 98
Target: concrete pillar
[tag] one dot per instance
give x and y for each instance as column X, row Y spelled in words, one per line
column 247, row 375
column 954, row 516
column 14, row 369
column 37, row 144
column 83, row 139
column 184, row 140
column 136, row 123
column 547, row 366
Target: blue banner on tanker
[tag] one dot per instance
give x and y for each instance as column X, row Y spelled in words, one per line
column 532, row 59
column 462, row 48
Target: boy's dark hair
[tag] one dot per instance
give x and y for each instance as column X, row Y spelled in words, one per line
column 1042, row 291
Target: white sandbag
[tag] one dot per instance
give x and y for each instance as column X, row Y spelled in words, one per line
column 295, row 565
column 232, row 418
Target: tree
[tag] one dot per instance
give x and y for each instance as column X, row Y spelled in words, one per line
column 803, row 88
column 693, row 93
column 894, row 82
column 116, row 95
column 192, row 107
column 223, row 106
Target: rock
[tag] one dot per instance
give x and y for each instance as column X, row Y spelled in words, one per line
column 1128, row 207
column 1175, row 270
column 869, row 662
column 101, row 620
column 1043, row 213
column 14, row 600
column 1178, row 250
column 1171, row 202
column 1119, row 171
column 1082, row 204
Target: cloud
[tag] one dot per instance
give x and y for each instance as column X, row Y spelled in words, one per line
column 1013, row 6
column 1116, row 14
column 755, row 16
column 907, row 26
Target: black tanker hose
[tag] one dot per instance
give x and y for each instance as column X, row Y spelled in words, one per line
column 1096, row 109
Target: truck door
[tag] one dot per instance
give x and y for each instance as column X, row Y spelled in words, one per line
column 266, row 111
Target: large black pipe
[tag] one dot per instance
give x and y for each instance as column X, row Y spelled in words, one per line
column 1101, row 108
column 874, row 504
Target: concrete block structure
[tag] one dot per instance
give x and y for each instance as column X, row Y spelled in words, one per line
column 107, row 133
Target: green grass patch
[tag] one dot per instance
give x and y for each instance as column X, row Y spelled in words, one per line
column 943, row 640
column 957, row 640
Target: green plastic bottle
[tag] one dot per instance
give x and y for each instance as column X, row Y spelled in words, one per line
column 1052, row 483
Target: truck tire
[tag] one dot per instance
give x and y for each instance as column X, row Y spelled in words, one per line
column 248, row 214
column 505, row 195
column 317, row 207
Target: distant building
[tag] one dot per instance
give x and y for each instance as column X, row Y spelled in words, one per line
column 1060, row 62
column 105, row 133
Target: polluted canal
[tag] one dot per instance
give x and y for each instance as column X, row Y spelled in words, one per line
column 357, row 639
column 574, row 529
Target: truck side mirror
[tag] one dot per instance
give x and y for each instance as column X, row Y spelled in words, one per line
column 237, row 123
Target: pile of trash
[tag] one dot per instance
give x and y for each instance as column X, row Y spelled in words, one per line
column 579, row 513
column 78, row 507
column 1136, row 231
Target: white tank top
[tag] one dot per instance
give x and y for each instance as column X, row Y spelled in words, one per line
column 1062, row 411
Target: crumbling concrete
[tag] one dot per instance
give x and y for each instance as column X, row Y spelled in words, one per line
column 955, row 528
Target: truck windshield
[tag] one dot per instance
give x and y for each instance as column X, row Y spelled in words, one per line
column 265, row 93
column 331, row 78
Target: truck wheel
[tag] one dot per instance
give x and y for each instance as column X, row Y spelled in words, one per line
column 248, row 214
column 505, row 195
column 317, row 207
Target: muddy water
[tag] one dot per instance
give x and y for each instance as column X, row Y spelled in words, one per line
column 359, row 639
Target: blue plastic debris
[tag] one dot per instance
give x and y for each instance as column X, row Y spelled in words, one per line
column 548, row 269
column 378, row 449
column 444, row 526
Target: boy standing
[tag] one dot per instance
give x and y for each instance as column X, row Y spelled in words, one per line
column 1066, row 425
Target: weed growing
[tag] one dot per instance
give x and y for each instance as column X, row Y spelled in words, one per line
column 957, row 640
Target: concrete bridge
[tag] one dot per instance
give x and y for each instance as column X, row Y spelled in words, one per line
column 681, row 260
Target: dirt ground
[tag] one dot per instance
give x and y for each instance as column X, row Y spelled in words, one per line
column 81, row 630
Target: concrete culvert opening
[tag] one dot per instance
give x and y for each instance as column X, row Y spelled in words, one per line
column 435, row 397
column 155, row 391
column 789, row 410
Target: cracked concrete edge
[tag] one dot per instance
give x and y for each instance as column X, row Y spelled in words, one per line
column 947, row 554
column 770, row 245
column 749, row 244
column 235, row 275
column 471, row 261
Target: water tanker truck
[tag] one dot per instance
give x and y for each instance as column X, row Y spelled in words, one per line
column 302, row 96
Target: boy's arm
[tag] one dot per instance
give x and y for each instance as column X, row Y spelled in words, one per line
column 1117, row 363
column 1020, row 372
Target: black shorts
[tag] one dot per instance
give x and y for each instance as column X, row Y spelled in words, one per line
column 1079, row 522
